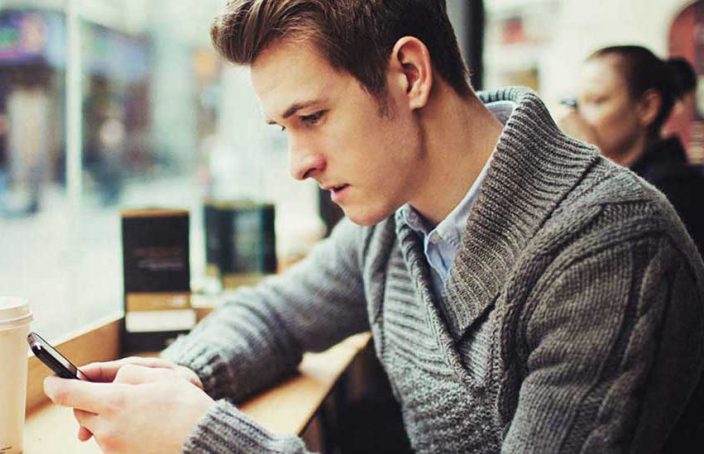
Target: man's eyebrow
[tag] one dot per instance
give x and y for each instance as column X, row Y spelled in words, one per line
column 295, row 107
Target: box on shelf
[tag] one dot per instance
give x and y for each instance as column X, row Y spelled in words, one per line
column 240, row 241
column 156, row 278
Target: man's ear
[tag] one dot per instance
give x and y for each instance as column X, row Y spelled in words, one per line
column 412, row 69
column 649, row 107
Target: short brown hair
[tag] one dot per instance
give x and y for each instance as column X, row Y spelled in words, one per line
column 356, row 36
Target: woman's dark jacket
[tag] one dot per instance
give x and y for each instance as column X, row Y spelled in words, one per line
column 665, row 166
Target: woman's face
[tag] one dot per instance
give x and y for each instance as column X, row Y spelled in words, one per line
column 606, row 105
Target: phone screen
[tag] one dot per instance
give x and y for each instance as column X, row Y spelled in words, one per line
column 52, row 358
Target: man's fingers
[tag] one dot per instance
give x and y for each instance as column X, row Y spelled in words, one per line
column 189, row 375
column 136, row 375
column 107, row 371
column 85, row 419
column 84, row 434
column 101, row 372
column 92, row 397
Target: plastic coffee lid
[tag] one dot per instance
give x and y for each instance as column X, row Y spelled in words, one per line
column 14, row 312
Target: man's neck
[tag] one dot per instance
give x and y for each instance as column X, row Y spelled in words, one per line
column 459, row 137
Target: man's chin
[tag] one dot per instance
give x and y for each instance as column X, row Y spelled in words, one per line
column 365, row 217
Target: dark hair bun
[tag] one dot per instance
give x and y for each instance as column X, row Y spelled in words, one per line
column 684, row 76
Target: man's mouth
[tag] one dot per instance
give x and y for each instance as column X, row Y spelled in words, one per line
column 333, row 187
column 338, row 192
column 338, row 188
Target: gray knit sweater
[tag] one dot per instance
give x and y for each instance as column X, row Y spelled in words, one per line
column 572, row 320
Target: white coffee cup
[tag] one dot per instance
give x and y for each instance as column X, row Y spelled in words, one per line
column 15, row 317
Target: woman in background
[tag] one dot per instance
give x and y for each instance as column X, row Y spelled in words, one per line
column 625, row 96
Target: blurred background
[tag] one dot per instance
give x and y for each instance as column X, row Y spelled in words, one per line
column 114, row 104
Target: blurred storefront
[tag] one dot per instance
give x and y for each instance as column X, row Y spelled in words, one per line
column 116, row 106
column 116, row 87
column 147, row 84
column 31, row 102
column 129, row 108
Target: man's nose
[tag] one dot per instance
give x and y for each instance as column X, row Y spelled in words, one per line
column 305, row 163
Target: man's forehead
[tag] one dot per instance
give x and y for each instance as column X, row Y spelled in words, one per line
column 285, row 75
column 284, row 60
column 286, row 98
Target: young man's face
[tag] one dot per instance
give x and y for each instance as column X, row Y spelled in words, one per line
column 337, row 135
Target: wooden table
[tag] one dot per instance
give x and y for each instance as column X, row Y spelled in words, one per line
column 287, row 408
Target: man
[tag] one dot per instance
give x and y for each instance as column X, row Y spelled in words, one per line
column 524, row 294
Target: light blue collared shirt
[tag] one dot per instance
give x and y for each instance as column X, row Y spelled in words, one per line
column 441, row 243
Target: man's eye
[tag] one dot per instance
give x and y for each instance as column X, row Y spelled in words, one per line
column 312, row 119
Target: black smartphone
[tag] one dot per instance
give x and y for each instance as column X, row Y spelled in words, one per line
column 53, row 359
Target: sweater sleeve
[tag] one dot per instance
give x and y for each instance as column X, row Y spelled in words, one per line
column 259, row 337
column 225, row 429
column 613, row 349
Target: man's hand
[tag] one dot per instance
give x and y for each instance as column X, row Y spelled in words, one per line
column 106, row 372
column 144, row 409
